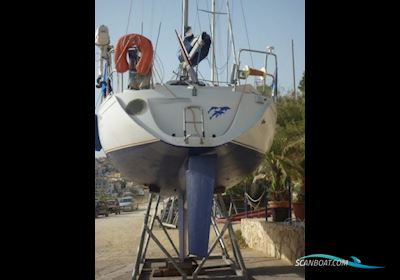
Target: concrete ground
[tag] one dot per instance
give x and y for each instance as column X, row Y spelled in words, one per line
column 117, row 238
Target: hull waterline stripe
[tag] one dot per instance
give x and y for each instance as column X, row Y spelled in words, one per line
column 156, row 140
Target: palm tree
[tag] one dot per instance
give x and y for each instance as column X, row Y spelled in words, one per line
column 284, row 162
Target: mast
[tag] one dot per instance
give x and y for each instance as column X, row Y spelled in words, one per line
column 185, row 16
column 213, row 42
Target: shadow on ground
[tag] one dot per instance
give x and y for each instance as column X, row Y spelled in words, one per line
column 275, row 270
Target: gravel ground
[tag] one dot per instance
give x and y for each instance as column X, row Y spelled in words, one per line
column 117, row 238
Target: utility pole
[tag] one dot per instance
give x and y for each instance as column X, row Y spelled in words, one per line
column 294, row 77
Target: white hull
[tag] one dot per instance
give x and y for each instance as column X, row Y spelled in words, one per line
column 249, row 122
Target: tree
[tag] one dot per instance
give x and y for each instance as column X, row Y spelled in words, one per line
column 286, row 159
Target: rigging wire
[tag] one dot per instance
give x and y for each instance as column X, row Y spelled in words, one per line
column 226, row 57
column 222, row 67
column 158, row 74
column 208, row 61
column 201, row 75
column 151, row 19
column 247, row 33
column 155, row 56
column 209, row 19
column 229, row 39
column 227, row 54
column 142, row 15
column 217, row 50
column 129, row 16
column 161, row 67
column 158, row 36
column 197, row 14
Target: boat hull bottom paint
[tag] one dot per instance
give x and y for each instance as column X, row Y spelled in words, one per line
column 164, row 165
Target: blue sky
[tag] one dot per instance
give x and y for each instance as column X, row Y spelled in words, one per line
column 269, row 23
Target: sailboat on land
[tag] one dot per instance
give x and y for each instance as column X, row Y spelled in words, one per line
column 187, row 137
column 149, row 132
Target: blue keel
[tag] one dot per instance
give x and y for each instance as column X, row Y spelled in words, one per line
column 200, row 182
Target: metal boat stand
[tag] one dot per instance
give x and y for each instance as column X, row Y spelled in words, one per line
column 169, row 216
column 191, row 267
